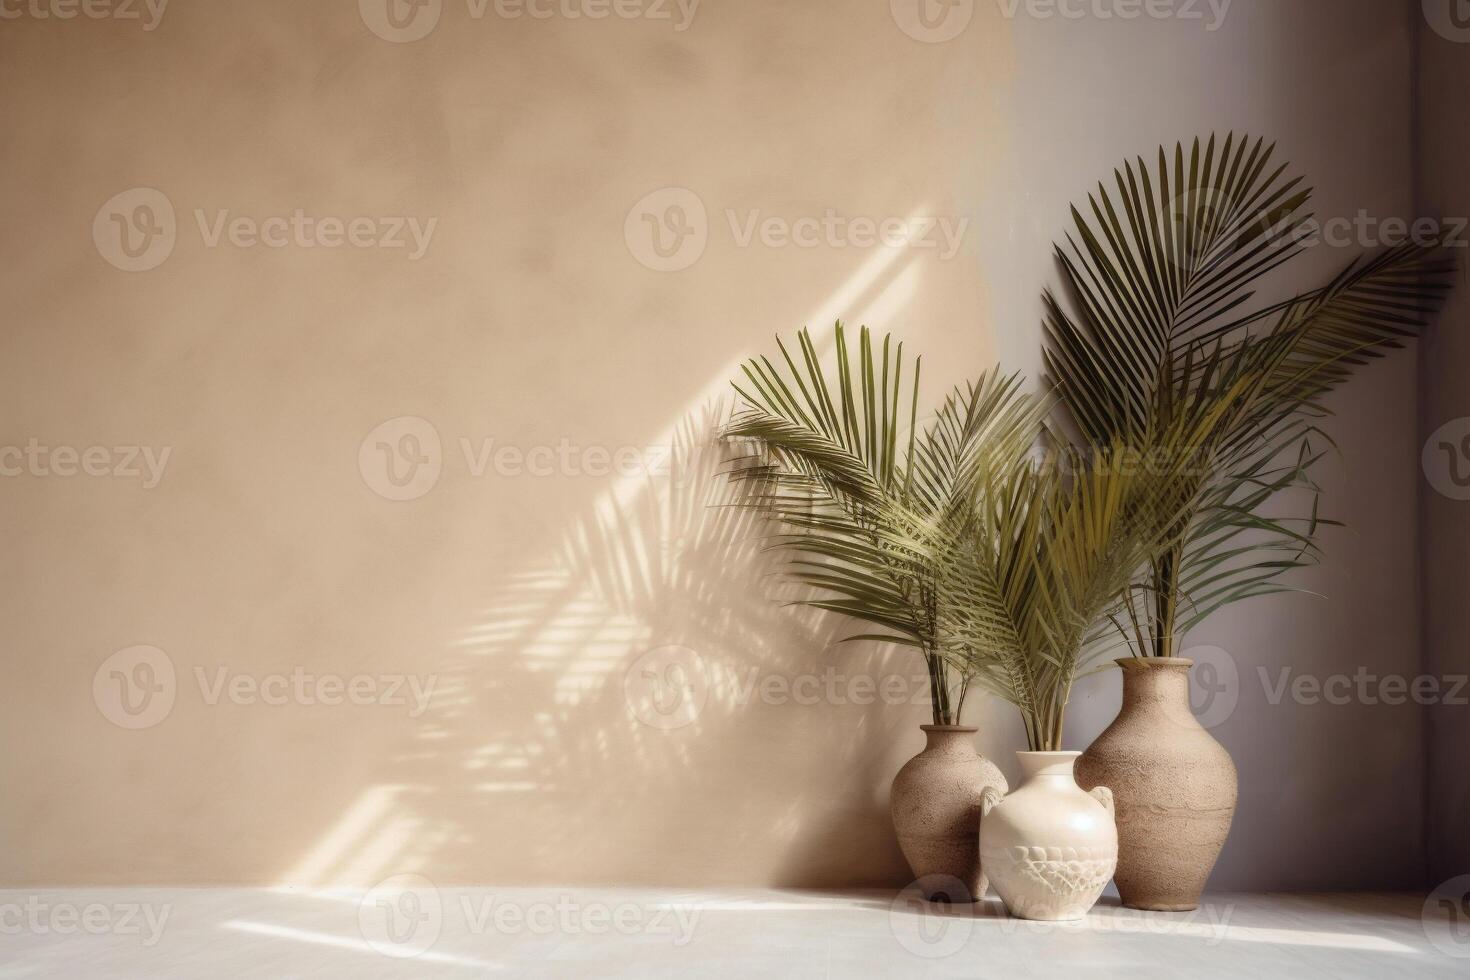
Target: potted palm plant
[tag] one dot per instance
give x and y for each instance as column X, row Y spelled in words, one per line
column 839, row 464
column 993, row 562
column 1165, row 270
column 1034, row 565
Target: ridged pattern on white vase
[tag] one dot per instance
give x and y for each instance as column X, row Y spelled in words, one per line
column 1049, row 848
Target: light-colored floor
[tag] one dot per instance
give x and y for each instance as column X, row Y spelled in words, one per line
column 409, row 928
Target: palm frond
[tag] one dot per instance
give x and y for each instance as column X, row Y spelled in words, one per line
column 856, row 514
column 1157, row 315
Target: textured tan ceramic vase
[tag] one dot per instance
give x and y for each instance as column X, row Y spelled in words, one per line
column 936, row 812
column 1173, row 787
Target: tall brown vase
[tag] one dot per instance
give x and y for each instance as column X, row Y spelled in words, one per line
column 936, row 812
column 1173, row 787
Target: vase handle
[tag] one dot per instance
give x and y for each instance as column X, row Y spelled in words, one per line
column 989, row 797
column 1104, row 796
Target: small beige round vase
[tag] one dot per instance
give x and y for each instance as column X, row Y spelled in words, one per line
column 1173, row 787
column 936, row 812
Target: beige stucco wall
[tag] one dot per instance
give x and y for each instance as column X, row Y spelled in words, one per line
column 269, row 547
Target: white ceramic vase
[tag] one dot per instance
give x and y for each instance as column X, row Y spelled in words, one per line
column 1049, row 848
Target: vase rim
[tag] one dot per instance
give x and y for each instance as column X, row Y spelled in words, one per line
column 1059, row 755
column 1142, row 663
column 948, row 728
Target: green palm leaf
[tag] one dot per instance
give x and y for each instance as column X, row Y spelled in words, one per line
column 1159, row 308
column 822, row 460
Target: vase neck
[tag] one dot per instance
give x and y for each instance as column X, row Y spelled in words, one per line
column 950, row 740
column 1157, row 684
column 1047, row 767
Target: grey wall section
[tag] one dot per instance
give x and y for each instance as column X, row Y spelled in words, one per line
column 1444, row 189
column 1330, row 794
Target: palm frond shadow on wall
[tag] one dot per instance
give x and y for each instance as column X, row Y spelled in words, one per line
column 529, row 766
column 537, row 762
